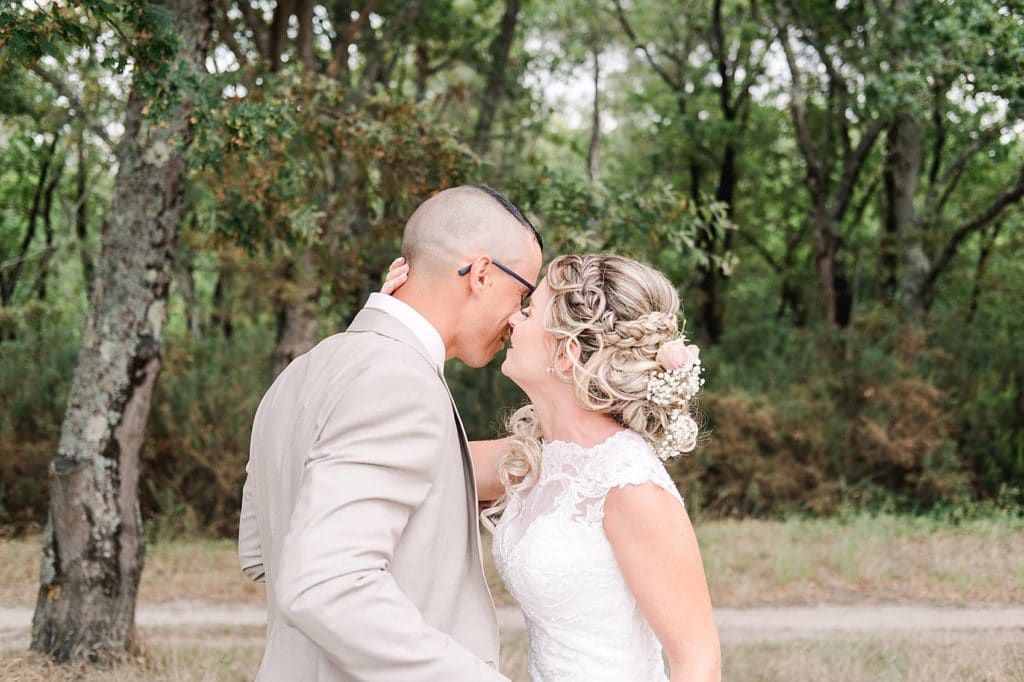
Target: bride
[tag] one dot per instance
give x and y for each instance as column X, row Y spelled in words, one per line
column 590, row 534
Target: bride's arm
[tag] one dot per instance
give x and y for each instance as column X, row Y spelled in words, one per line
column 486, row 454
column 657, row 551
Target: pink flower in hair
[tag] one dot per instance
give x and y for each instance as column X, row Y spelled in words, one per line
column 677, row 355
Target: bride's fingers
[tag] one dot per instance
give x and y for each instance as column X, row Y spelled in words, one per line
column 400, row 272
column 397, row 263
column 396, row 278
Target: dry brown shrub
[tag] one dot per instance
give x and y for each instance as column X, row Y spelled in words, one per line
column 757, row 460
column 904, row 423
column 905, row 433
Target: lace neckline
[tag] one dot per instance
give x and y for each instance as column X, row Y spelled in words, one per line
column 568, row 451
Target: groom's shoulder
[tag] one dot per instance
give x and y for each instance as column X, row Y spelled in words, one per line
column 374, row 354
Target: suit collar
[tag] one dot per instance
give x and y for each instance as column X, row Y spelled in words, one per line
column 379, row 322
column 414, row 320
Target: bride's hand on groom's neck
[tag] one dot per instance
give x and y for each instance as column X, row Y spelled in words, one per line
column 397, row 275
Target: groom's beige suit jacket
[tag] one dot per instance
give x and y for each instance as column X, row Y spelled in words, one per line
column 360, row 511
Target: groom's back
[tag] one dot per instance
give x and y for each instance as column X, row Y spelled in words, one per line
column 338, row 393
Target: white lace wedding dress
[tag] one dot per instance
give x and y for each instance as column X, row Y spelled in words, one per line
column 550, row 549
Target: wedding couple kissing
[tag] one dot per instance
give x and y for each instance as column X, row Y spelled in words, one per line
column 361, row 503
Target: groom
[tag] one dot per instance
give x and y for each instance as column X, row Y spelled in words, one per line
column 359, row 507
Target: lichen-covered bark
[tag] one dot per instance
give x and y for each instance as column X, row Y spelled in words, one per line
column 93, row 544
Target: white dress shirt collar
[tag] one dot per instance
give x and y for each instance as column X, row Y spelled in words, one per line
column 416, row 323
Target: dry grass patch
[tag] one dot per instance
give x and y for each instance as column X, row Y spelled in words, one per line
column 191, row 569
column 185, row 655
column 864, row 559
column 19, row 571
column 229, row 654
column 996, row 656
column 201, row 570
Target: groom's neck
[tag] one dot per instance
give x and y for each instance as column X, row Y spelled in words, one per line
column 432, row 306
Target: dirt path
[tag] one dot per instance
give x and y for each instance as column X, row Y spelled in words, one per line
column 774, row 623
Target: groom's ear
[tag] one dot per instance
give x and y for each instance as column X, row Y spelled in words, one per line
column 478, row 275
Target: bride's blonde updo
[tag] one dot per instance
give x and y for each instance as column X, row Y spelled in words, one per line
column 609, row 315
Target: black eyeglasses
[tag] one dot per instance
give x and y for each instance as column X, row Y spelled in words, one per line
column 464, row 270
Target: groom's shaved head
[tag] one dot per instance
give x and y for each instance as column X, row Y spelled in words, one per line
column 465, row 221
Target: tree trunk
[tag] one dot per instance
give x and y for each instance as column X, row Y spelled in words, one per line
column 8, row 285
column 43, row 272
column 494, row 90
column 985, row 250
column 297, row 328
column 93, row 544
column 304, row 39
column 279, row 32
column 422, row 64
column 82, row 215
column 902, row 175
column 185, row 281
column 824, row 259
column 594, row 150
column 710, row 277
column 221, row 316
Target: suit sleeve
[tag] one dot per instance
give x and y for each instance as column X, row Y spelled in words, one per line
column 371, row 468
column 250, row 550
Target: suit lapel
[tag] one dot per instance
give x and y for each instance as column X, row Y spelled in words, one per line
column 471, row 497
column 467, row 459
column 379, row 322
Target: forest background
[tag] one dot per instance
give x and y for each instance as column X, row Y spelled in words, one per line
column 835, row 187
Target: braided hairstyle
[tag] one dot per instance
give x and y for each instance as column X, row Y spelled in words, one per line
column 609, row 315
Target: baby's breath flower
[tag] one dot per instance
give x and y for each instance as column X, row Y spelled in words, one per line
column 675, row 387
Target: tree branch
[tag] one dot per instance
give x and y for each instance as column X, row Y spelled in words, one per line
column 254, row 20
column 797, row 103
column 42, row 273
column 227, row 34
column 951, row 177
column 718, row 49
column 340, row 61
column 853, row 163
column 1006, row 197
column 940, row 139
column 7, row 285
column 62, row 89
column 374, row 69
column 753, row 72
column 624, row 22
column 496, row 84
column 761, row 250
column 862, row 205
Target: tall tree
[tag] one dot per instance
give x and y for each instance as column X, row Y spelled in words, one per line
column 970, row 76
column 496, row 86
column 710, row 60
column 93, row 545
column 835, row 132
